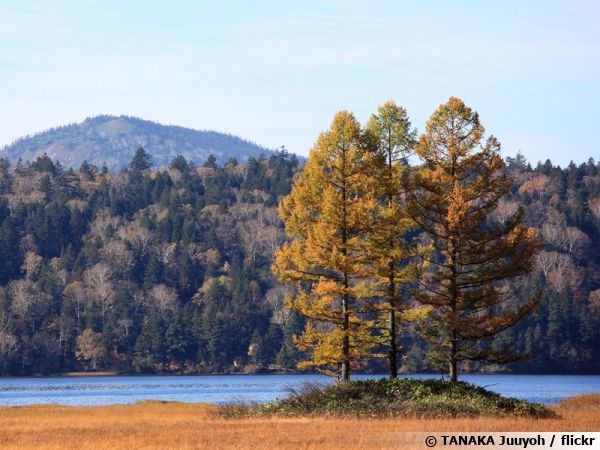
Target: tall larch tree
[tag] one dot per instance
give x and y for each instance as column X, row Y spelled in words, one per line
column 392, row 255
column 452, row 198
column 326, row 216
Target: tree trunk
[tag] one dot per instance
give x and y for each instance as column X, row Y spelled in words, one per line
column 345, row 299
column 453, row 307
column 393, row 369
column 453, row 351
column 393, row 350
column 453, row 372
column 346, row 339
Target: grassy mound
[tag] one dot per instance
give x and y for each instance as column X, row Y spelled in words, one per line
column 385, row 397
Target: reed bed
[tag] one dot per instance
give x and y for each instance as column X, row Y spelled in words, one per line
column 151, row 425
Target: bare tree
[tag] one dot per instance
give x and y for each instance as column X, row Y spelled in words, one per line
column 98, row 279
column 565, row 273
column 138, row 237
column 165, row 252
column 575, row 241
column 505, row 210
column 21, row 293
column 102, row 223
column 275, row 298
column 251, row 236
column 273, row 239
column 119, row 257
column 8, row 342
column 164, row 297
column 553, row 228
column 545, row 261
column 28, row 303
column 80, row 296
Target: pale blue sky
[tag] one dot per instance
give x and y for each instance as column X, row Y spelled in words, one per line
column 275, row 72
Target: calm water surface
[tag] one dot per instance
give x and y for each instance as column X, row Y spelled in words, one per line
column 256, row 388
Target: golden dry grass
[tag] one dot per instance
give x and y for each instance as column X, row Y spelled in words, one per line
column 190, row 426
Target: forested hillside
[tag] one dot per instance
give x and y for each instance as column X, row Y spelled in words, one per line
column 142, row 271
column 112, row 140
column 170, row 271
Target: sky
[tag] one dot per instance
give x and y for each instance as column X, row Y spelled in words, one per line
column 275, row 72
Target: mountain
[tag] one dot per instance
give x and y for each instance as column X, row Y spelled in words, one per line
column 114, row 140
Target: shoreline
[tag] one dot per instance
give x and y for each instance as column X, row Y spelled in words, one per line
column 107, row 374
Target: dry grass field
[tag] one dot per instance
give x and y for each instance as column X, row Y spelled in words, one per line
column 195, row 426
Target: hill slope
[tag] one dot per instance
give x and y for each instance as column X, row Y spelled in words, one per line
column 170, row 271
column 114, row 140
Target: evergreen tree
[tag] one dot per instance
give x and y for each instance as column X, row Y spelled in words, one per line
column 141, row 160
column 150, row 347
column 6, row 178
column 211, row 162
column 452, row 197
column 44, row 164
column 45, row 186
column 326, row 215
column 179, row 163
column 388, row 241
column 179, row 344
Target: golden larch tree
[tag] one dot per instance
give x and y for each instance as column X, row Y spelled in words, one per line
column 452, row 197
column 326, row 216
column 392, row 253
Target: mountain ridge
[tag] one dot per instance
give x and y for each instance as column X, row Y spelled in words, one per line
column 114, row 139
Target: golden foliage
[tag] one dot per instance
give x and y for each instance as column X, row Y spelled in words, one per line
column 394, row 261
column 326, row 215
column 453, row 197
column 537, row 184
column 349, row 215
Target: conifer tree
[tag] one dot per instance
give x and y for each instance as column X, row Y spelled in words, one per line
column 452, row 197
column 391, row 253
column 211, row 162
column 326, row 216
column 141, row 160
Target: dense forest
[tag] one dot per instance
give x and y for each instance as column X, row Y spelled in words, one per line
column 169, row 271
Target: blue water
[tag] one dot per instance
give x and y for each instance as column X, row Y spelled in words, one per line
column 88, row 391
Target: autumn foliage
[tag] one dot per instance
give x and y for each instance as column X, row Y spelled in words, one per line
column 452, row 197
column 349, row 218
column 327, row 214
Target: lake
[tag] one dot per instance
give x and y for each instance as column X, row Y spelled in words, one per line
column 87, row 391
